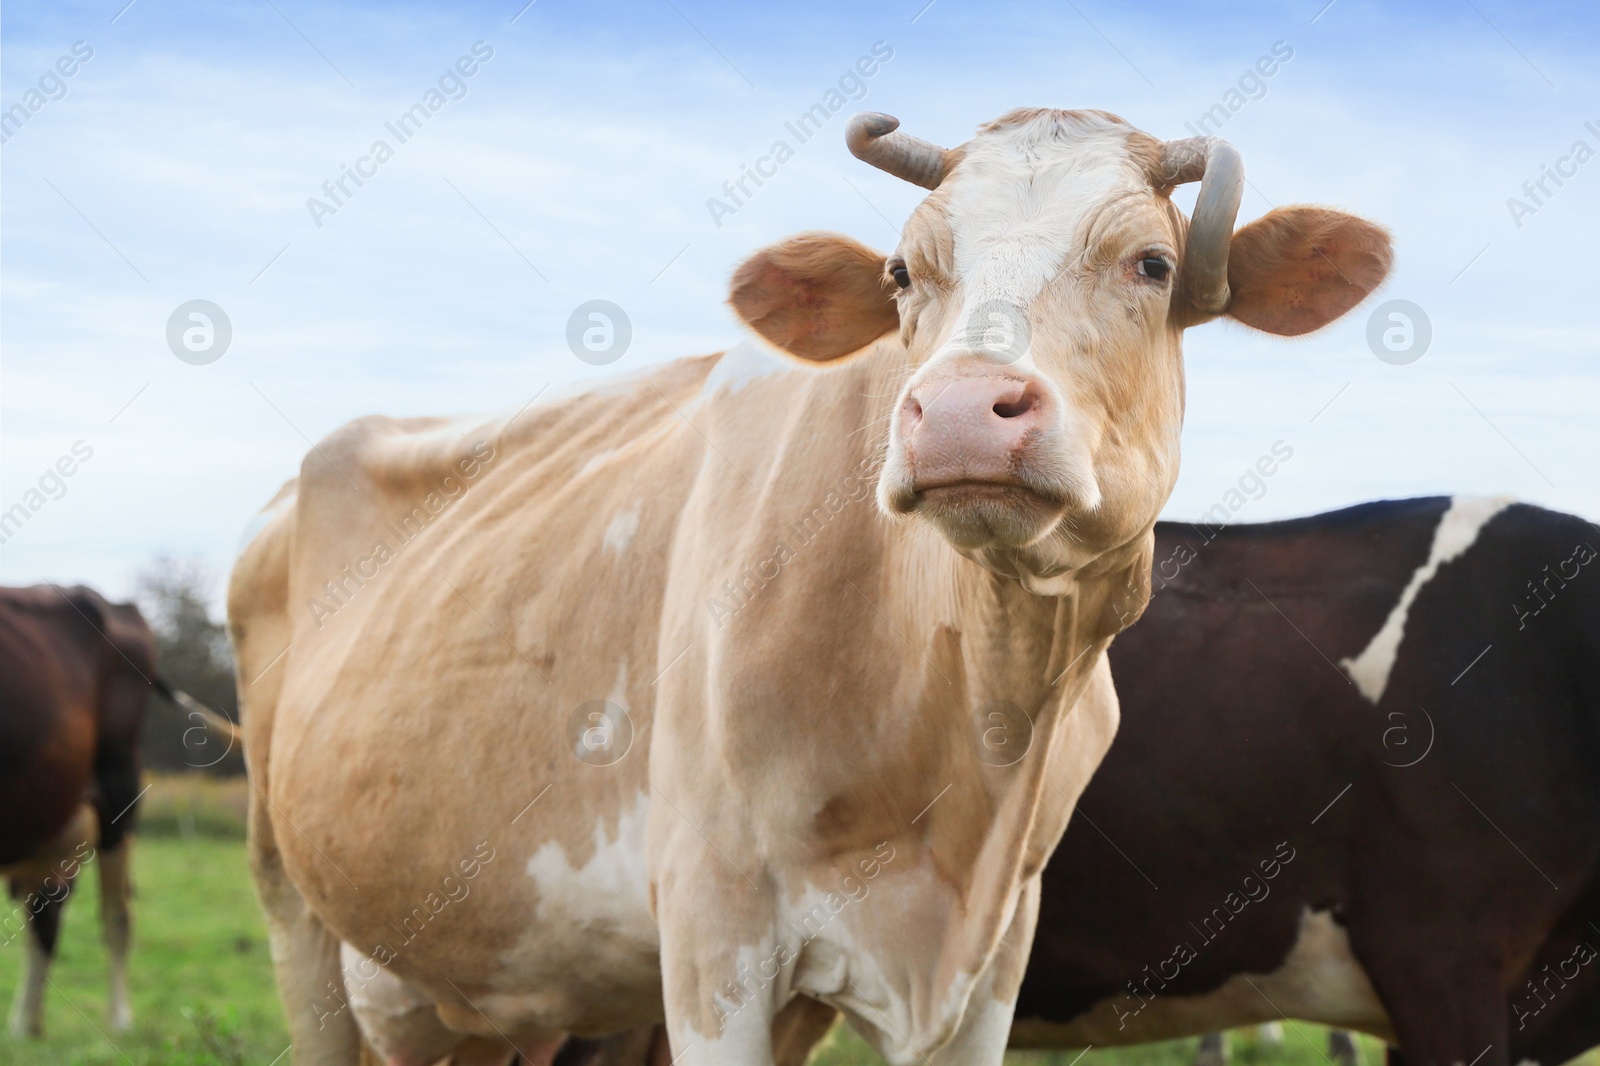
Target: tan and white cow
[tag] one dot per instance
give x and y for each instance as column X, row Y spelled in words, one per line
column 634, row 705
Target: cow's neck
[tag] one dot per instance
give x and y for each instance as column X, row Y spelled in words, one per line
column 967, row 639
column 1009, row 664
column 994, row 656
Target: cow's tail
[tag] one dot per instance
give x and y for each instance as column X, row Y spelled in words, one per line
column 212, row 719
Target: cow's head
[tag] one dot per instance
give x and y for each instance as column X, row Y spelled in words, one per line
column 1042, row 289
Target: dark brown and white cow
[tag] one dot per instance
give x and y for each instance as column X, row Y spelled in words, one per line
column 75, row 673
column 1357, row 782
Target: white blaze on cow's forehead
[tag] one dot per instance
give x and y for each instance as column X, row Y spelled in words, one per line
column 1457, row 530
column 1017, row 208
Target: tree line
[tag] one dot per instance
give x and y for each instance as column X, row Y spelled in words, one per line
column 195, row 656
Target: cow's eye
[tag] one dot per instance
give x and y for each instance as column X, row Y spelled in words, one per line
column 898, row 271
column 1154, row 267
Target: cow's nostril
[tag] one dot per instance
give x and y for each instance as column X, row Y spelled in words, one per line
column 913, row 411
column 1015, row 408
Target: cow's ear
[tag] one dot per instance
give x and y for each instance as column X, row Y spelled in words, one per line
column 818, row 296
column 1296, row 269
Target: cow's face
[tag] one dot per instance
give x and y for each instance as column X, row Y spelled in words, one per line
column 1042, row 289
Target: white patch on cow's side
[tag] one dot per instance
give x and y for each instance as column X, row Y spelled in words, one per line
column 609, row 895
column 1458, row 529
column 619, row 534
column 740, row 365
column 1320, row 981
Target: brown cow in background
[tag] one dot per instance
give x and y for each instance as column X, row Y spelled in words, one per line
column 75, row 673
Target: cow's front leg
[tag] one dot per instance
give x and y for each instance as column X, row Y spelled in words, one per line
column 721, row 964
column 980, row 1040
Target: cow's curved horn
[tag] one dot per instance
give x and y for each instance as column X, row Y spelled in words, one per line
column 873, row 138
column 1216, row 165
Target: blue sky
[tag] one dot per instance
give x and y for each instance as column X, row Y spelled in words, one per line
column 576, row 165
